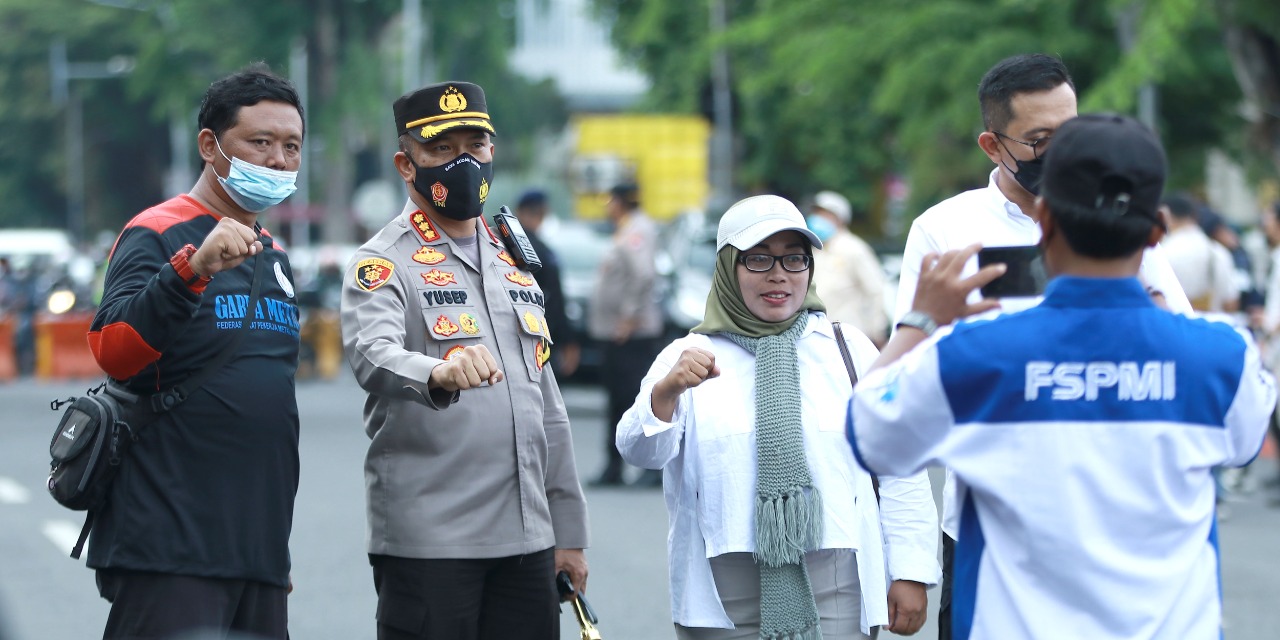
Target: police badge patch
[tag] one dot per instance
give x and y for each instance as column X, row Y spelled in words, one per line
column 372, row 273
column 428, row 255
column 542, row 353
column 439, row 278
column 444, row 327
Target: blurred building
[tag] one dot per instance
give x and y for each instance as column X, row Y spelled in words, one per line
column 561, row 40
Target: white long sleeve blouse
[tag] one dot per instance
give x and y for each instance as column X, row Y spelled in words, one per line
column 708, row 454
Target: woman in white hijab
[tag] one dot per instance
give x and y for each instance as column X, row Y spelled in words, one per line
column 775, row 528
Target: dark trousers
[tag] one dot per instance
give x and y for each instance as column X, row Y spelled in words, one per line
column 944, row 598
column 156, row 605
column 511, row 598
column 624, row 367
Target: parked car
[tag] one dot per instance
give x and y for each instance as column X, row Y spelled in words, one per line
column 686, row 260
column 580, row 246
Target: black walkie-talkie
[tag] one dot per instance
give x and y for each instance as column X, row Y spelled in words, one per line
column 516, row 241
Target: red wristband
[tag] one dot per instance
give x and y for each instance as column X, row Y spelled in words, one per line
column 181, row 262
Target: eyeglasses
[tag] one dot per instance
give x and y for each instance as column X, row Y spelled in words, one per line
column 1038, row 146
column 762, row 262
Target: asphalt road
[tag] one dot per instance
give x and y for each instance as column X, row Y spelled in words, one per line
column 45, row 595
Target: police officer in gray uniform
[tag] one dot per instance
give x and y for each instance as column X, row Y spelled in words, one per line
column 473, row 497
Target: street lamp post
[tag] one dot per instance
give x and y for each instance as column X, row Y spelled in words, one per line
column 61, row 73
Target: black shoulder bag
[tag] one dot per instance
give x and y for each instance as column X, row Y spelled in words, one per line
column 853, row 380
column 96, row 431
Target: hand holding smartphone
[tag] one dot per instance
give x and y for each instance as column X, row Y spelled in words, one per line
column 1025, row 275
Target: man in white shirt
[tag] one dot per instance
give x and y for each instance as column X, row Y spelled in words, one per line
column 1024, row 99
column 845, row 270
column 1204, row 267
column 1085, row 429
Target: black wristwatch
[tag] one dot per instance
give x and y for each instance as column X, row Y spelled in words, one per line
column 918, row 320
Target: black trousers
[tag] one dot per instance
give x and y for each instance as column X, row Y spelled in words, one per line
column 944, row 598
column 624, row 367
column 512, row 598
column 157, row 606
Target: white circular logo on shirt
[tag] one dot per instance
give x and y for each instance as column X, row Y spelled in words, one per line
column 283, row 280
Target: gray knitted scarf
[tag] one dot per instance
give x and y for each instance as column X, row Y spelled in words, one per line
column 788, row 506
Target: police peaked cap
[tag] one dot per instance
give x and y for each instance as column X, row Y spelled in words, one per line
column 437, row 108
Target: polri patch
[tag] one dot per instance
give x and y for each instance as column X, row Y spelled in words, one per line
column 531, row 321
column 439, row 278
column 468, row 324
column 428, row 256
column 542, row 353
column 372, row 273
column 520, row 279
column 444, row 327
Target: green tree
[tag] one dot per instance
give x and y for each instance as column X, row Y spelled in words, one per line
column 1252, row 35
column 180, row 46
column 840, row 93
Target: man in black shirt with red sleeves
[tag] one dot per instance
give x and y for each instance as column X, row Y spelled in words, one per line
column 195, row 532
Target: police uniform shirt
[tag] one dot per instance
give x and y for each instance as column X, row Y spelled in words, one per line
column 482, row 473
column 1085, row 431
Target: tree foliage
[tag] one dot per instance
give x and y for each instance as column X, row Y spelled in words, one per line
column 841, row 93
column 179, row 46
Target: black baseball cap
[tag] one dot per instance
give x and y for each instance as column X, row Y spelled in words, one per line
column 437, row 108
column 1106, row 163
column 532, row 198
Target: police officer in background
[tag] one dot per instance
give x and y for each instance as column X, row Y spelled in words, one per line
column 625, row 317
column 473, row 496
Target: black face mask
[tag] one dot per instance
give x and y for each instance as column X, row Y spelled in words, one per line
column 1029, row 173
column 458, row 188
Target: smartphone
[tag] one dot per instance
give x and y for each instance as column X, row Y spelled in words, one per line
column 1025, row 276
column 517, row 243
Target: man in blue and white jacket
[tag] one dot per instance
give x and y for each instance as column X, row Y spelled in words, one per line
column 1084, row 430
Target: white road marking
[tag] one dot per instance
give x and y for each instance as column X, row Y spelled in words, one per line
column 62, row 533
column 13, row 493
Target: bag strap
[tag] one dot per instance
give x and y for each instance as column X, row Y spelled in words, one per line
column 167, row 400
column 844, row 353
column 853, row 379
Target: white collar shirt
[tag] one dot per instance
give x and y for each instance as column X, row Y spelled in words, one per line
column 708, row 455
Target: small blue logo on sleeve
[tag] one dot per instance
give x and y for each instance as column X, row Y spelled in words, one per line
column 890, row 390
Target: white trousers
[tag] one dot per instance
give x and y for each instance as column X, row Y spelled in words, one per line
column 833, row 573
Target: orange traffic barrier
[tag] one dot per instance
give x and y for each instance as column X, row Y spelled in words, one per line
column 8, row 356
column 62, row 350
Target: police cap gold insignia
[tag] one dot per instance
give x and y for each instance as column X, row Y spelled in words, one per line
column 437, row 108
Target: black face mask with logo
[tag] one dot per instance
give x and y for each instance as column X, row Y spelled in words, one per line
column 458, row 188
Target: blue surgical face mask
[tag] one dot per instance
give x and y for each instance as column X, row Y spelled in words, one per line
column 255, row 187
column 821, row 227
